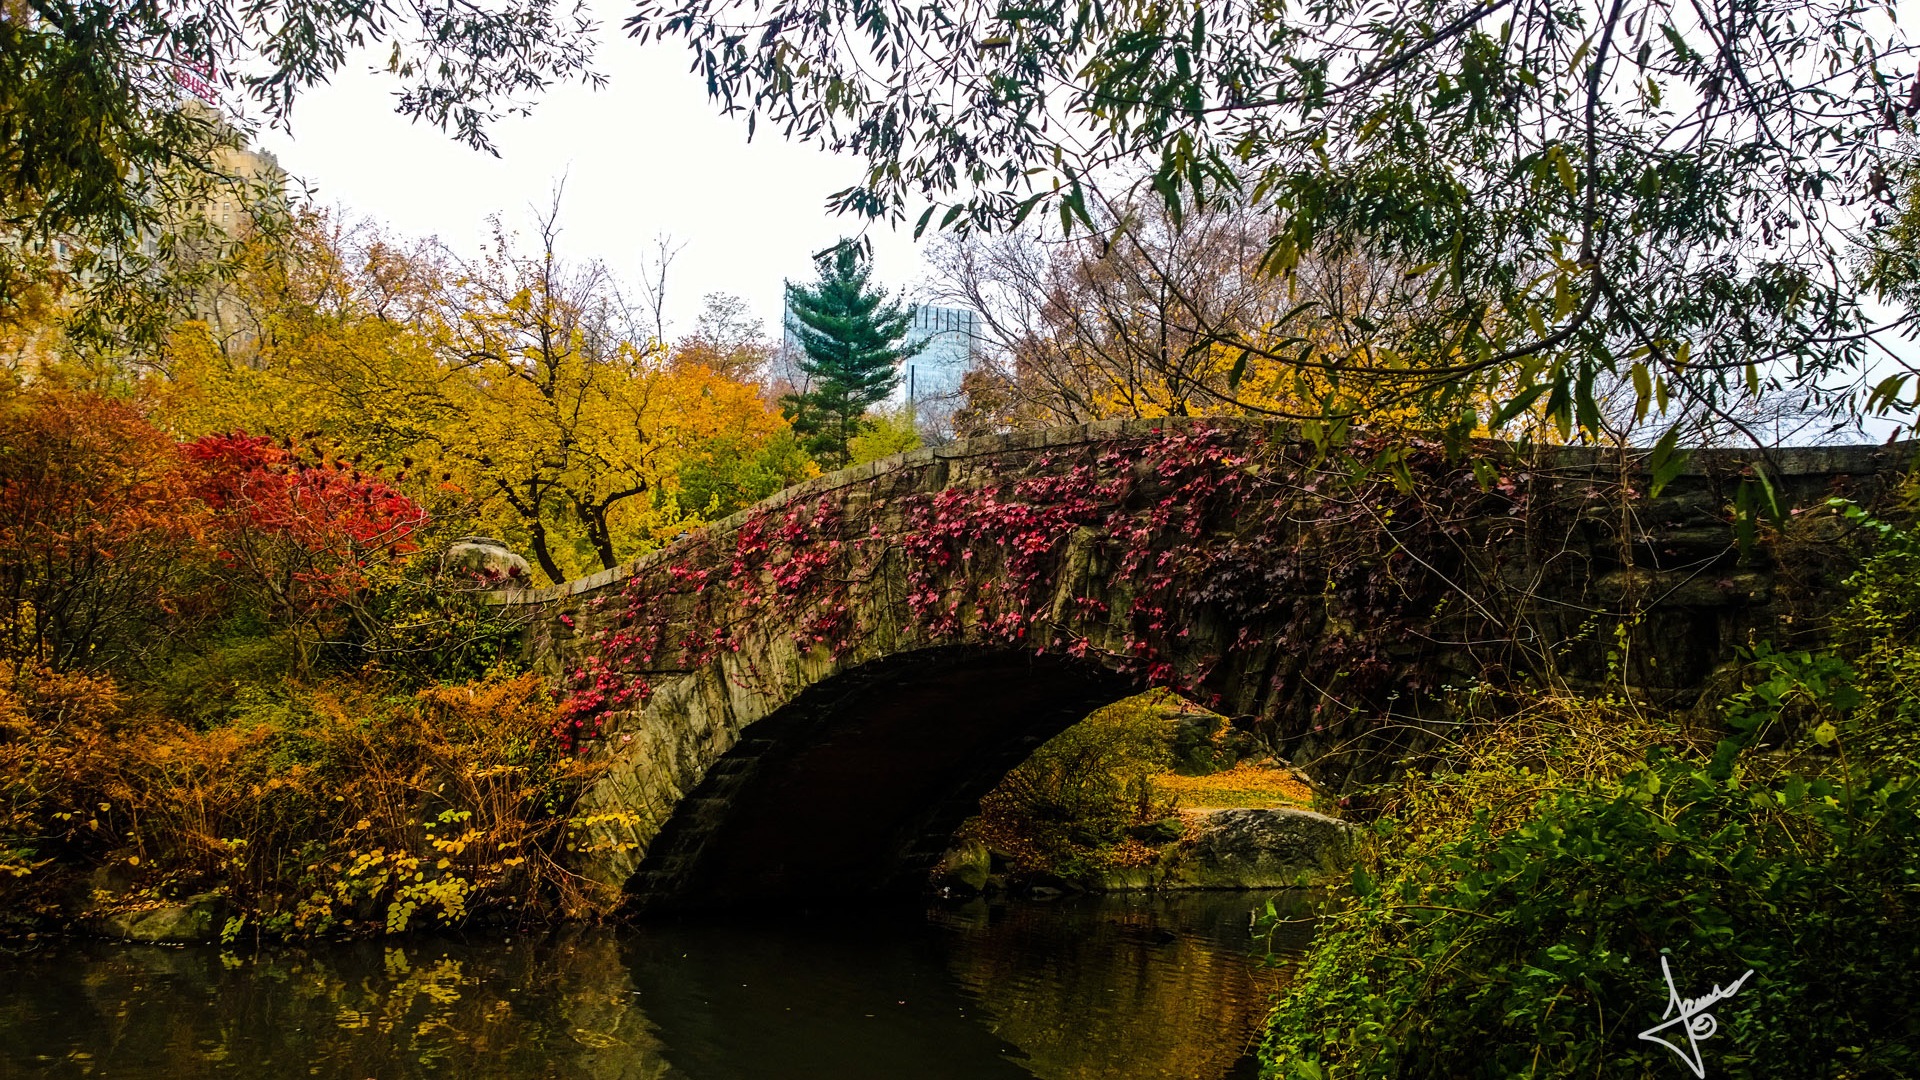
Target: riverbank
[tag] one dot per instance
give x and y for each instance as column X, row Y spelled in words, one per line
column 1223, row 848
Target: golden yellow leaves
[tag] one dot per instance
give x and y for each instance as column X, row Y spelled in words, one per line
column 498, row 394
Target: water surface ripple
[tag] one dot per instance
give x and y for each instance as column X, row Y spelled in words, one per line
column 1114, row 988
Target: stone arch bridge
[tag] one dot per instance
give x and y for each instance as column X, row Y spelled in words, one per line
column 808, row 697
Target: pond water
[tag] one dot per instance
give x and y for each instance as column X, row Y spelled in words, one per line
column 1114, row 987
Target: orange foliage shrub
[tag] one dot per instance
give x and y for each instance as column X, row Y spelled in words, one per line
column 62, row 793
column 349, row 809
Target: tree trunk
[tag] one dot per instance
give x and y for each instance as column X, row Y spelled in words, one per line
column 542, row 556
column 601, row 535
column 594, row 516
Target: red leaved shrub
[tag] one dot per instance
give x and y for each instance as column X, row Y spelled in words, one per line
column 301, row 534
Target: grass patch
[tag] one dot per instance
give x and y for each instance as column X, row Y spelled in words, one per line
column 1248, row 784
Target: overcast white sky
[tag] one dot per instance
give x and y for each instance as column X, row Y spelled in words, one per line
column 648, row 154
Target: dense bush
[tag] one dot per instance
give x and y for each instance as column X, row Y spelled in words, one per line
column 227, row 668
column 1879, row 635
column 1512, row 916
column 1084, row 799
column 1535, row 950
column 1108, row 792
column 62, row 792
column 101, row 543
column 732, row 473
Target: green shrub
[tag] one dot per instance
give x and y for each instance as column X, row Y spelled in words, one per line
column 1511, row 917
column 1079, row 803
column 1535, row 950
column 1879, row 634
column 211, row 683
column 729, row 474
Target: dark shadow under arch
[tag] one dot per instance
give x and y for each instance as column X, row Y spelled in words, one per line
column 856, row 786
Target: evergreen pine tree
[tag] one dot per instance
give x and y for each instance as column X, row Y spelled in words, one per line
column 853, row 338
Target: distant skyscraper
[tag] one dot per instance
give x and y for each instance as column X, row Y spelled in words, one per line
column 930, row 381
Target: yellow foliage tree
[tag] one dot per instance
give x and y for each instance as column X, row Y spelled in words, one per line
column 509, row 390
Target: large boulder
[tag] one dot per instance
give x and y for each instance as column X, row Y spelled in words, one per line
column 964, row 870
column 197, row 919
column 1260, row 849
column 482, row 562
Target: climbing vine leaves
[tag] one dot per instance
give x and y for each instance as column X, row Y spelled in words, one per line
column 1189, row 557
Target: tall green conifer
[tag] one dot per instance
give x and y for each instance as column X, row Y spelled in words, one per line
column 854, row 340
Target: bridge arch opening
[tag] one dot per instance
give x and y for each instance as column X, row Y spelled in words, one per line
column 856, row 787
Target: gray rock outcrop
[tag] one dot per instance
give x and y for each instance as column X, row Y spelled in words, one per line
column 1260, row 849
column 193, row 921
column 483, row 562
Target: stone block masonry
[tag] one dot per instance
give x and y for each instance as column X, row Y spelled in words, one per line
column 806, row 698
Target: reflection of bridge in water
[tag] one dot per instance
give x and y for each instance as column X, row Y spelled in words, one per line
column 808, row 697
column 1135, row 988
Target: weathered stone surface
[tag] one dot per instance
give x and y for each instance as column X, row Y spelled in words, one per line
column 965, row 869
column 1260, row 849
column 198, row 919
column 774, row 760
column 487, row 563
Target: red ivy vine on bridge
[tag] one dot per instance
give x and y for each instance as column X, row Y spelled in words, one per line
column 1192, row 526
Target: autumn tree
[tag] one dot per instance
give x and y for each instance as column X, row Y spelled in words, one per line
column 854, row 339
column 508, row 394
column 1150, row 316
column 727, row 341
column 331, row 334
column 99, row 531
column 300, row 534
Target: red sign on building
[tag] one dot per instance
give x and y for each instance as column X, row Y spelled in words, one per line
column 196, row 79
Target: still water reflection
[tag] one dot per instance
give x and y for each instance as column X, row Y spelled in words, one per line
column 1115, row 988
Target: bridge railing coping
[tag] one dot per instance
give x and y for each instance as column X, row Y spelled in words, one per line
column 1843, row 460
column 852, row 476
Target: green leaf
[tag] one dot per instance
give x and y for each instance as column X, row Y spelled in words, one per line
column 1886, row 394
column 1642, row 392
column 1666, row 461
column 1772, row 498
column 1586, row 408
column 1485, row 474
column 1565, row 168
column 1520, row 403
column 1579, row 55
